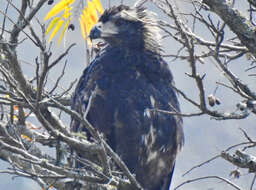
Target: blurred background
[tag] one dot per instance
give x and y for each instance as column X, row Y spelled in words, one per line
column 204, row 137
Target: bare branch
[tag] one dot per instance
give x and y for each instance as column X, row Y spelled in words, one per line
column 241, row 159
column 239, row 24
column 209, row 177
column 201, row 164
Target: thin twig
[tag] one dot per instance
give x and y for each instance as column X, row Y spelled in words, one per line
column 209, row 177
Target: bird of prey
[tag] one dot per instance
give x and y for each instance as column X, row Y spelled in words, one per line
column 128, row 81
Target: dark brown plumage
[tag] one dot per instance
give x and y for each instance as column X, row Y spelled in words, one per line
column 126, row 80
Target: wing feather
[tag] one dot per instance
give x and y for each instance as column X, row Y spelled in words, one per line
column 124, row 93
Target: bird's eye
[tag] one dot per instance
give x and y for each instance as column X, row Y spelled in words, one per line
column 119, row 22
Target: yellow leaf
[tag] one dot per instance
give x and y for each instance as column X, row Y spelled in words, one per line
column 87, row 21
column 89, row 42
column 83, row 20
column 98, row 6
column 52, row 24
column 89, row 18
column 67, row 12
column 56, row 29
column 91, row 11
column 26, row 137
column 58, row 8
column 84, row 34
column 63, row 31
column 82, row 27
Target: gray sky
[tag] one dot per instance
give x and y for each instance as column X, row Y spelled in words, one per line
column 204, row 137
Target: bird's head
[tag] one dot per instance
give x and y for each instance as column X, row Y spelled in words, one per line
column 133, row 28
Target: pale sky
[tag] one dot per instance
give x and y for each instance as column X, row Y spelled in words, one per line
column 204, row 137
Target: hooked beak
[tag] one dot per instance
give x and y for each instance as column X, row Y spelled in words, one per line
column 95, row 32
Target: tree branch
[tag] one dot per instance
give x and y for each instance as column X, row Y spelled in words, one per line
column 238, row 23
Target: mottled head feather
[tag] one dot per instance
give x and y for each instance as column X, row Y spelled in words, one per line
column 112, row 11
column 147, row 35
column 151, row 30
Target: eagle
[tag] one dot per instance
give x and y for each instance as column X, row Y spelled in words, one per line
column 126, row 83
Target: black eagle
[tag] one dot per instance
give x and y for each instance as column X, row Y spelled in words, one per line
column 125, row 81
